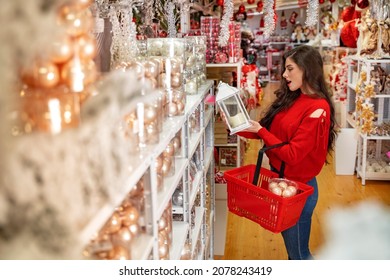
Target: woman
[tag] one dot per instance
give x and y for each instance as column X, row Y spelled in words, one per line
column 303, row 116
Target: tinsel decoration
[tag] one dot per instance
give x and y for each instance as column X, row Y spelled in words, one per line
column 124, row 34
column 269, row 18
column 169, row 9
column 227, row 15
column 312, row 13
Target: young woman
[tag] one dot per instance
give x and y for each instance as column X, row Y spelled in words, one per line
column 303, row 116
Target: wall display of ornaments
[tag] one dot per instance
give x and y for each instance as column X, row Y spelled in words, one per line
column 368, row 105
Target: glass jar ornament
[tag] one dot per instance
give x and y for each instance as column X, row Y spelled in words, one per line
column 231, row 105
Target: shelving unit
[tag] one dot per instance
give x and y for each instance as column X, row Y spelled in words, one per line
column 197, row 144
column 355, row 119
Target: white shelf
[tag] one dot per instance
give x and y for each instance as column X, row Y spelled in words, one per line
column 179, row 234
column 208, row 158
column 194, row 142
column 238, row 64
column 195, row 187
column 373, row 175
column 142, row 247
column 208, row 115
column 374, row 137
column 195, row 234
column 356, row 65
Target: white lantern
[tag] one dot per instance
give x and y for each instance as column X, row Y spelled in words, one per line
column 230, row 103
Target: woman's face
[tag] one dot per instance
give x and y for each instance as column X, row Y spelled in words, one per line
column 293, row 75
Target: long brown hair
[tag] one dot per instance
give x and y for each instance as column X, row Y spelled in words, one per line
column 310, row 62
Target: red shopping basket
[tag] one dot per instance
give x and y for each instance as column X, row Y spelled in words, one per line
column 249, row 197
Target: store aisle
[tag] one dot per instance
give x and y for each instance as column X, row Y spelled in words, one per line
column 246, row 240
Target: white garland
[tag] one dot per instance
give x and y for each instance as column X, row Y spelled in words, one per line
column 169, row 8
column 312, row 13
column 227, row 15
column 269, row 22
column 124, row 35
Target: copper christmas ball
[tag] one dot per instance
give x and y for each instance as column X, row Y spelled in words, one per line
column 130, row 215
column 172, row 109
column 119, row 253
column 113, row 225
column 150, row 114
column 75, row 20
column 87, row 46
column 180, row 107
column 61, row 49
column 41, row 74
column 176, row 80
column 151, row 69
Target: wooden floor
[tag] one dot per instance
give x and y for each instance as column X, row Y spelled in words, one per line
column 246, row 240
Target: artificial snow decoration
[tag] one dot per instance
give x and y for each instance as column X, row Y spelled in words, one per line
column 269, row 18
column 124, row 34
column 227, row 15
column 312, row 13
column 169, row 9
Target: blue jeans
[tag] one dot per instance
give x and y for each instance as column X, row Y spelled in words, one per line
column 296, row 238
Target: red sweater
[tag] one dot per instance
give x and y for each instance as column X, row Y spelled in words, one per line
column 305, row 126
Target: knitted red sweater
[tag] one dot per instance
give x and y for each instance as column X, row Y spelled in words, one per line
column 305, row 126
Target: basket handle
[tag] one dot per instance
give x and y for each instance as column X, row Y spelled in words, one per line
column 260, row 161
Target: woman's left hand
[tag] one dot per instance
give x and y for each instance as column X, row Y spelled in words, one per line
column 255, row 127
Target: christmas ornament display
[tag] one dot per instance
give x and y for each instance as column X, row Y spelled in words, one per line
column 115, row 239
column 58, row 80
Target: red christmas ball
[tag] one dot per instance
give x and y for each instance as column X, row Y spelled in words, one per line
column 321, row 1
column 260, row 6
column 250, row 2
column 362, row 4
column 220, row 3
column 241, row 9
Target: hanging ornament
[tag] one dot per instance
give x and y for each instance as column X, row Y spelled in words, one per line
column 251, row 2
column 293, row 17
column 260, row 6
column 241, row 9
column 321, row 1
column 169, row 9
column 220, row 3
column 227, row 15
column 269, row 18
column 283, row 21
column 312, row 13
column 362, row 4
